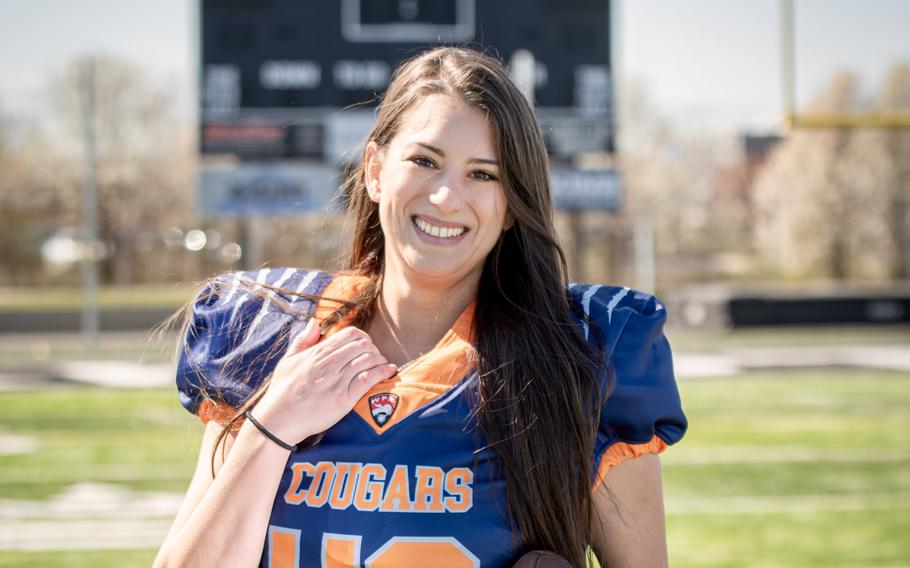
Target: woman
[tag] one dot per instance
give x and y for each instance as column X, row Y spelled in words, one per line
column 458, row 403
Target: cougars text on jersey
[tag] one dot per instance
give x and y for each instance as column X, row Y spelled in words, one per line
column 370, row 487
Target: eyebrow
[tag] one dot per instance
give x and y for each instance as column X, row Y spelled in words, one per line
column 472, row 160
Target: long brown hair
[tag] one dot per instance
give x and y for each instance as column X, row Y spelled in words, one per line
column 538, row 389
column 539, row 393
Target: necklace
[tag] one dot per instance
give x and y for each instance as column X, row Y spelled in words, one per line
column 391, row 329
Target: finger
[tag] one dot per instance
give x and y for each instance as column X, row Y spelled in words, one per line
column 363, row 381
column 305, row 339
column 340, row 357
column 344, row 336
column 362, row 362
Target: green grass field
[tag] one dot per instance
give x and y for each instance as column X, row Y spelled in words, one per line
column 783, row 469
column 70, row 298
column 38, row 350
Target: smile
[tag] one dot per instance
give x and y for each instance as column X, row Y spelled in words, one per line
column 438, row 232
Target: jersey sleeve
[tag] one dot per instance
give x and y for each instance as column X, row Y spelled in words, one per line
column 239, row 329
column 642, row 413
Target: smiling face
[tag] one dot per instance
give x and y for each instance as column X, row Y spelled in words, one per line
column 442, row 206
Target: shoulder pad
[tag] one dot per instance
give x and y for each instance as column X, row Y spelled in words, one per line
column 239, row 329
column 643, row 412
column 609, row 309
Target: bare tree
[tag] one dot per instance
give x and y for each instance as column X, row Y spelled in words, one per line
column 145, row 158
column 35, row 195
column 834, row 202
column 802, row 205
column 670, row 183
column 895, row 147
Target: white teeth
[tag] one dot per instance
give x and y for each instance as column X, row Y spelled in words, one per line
column 440, row 232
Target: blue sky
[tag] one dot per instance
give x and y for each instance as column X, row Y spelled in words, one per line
column 704, row 61
column 719, row 60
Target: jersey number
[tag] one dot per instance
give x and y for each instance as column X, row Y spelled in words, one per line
column 343, row 551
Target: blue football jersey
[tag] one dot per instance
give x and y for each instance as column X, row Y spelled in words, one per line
column 406, row 478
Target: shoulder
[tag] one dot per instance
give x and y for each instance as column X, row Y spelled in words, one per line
column 239, row 308
column 238, row 327
column 642, row 413
column 604, row 313
column 237, row 285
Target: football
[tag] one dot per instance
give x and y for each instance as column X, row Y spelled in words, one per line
column 542, row 559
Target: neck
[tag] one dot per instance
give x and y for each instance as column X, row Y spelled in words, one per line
column 412, row 317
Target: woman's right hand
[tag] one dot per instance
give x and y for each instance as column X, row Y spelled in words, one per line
column 316, row 383
column 223, row 520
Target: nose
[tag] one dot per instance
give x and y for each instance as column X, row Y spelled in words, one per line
column 447, row 195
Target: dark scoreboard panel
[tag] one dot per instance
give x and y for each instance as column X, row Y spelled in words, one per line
column 293, row 53
column 273, row 70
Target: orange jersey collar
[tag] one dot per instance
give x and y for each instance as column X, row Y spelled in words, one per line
column 426, row 378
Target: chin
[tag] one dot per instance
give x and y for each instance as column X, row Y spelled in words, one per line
column 439, row 271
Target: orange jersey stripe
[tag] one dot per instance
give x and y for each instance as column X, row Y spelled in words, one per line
column 621, row 451
column 220, row 412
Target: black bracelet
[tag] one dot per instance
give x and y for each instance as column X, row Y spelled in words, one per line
column 268, row 434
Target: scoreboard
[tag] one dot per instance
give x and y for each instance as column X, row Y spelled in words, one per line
column 298, row 80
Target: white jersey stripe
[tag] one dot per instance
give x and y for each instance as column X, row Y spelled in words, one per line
column 586, row 305
column 614, row 301
column 260, row 279
column 235, row 279
column 285, row 276
column 311, row 275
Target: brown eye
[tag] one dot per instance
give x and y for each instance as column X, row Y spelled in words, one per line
column 423, row 162
column 483, row 176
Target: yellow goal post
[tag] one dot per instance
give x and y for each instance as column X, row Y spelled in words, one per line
column 829, row 119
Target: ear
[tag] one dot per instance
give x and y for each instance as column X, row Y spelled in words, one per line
column 372, row 168
column 509, row 221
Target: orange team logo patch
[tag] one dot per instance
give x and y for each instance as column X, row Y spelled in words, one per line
column 382, row 407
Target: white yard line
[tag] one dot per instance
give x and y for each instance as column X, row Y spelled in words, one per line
column 117, row 374
column 109, row 534
column 88, row 516
column 790, row 504
column 15, row 444
column 885, row 357
column 96, row 501
column 34, row 475
column 734, row 455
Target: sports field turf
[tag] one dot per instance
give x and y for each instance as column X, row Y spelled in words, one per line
column 782, row 469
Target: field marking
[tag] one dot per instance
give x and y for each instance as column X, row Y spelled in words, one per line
column 117, row 374
column 88, row 516
column 102, row 516
column 17, row 444
column 36, row 475
column 111, row 534
column 880, row 357
column 94, row 500
column 732, row 455
column 791, row 504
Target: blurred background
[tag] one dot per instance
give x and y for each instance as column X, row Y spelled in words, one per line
column 748, row 162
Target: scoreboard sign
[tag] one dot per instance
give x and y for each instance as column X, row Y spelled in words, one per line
column 297, row 80
column 289, row 63
column 581, row 190
column 292, row 189
column 276, row 189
